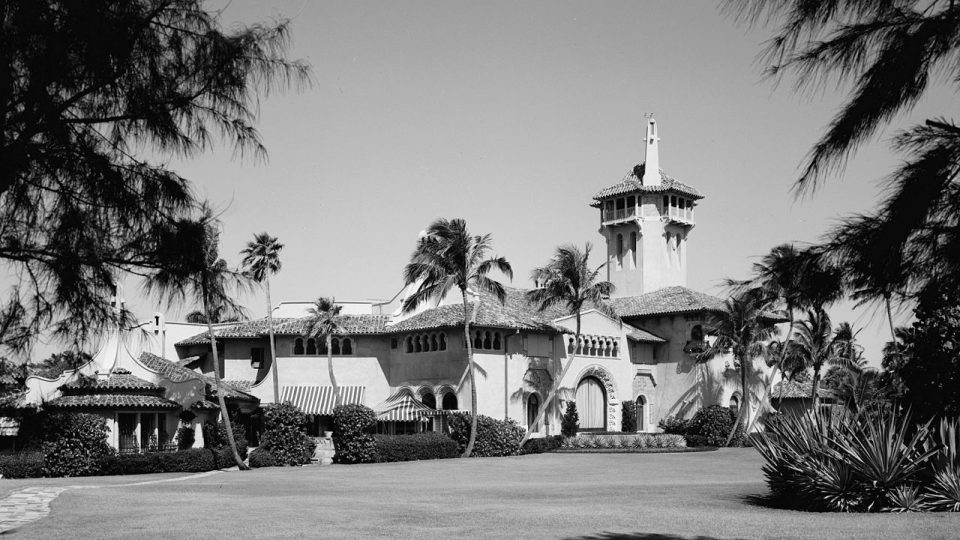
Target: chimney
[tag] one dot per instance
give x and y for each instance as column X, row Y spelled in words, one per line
column 651, row 170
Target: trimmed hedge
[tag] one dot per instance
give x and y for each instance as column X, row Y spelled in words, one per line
column 494, row 437
column 262, row 458
column 414, row 447
column 285, row 434
column 22, row 465
column 192, row 460
column 352, row 437
column 542, row 445
column 713, row 424
column 637, row 441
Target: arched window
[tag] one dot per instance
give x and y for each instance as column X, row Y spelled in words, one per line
column 417, row 346
column 666, row 203
column 298, row 346
column 409, row 344
column 477, row 341
column 619, row 250
column 641, row 413
column 673, row 200
column 496, row 341
column 434, row 344
column 633, row 249
column 335, row 346
column 443, row 342
column 735, row 403
column 322, row 346
column 593, row 347
column 346, row 347
column 449, row 401
column 486, row 340
column 580, row 346
column 533, row 407
column 428, row 399
column 592, row 404
column 311, row 346
column 696, row 333
column 616, row 349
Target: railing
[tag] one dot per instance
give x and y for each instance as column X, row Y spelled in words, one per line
column 680, row 214
column 619, row 213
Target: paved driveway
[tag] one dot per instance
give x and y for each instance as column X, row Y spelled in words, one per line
column 652, row 496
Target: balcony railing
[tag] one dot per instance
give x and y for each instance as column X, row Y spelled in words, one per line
column 684, row 215
column 619, row 214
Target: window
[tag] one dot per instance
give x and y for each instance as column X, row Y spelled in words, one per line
column 409, row 344
column 619, row 251
column 346, row 347
column 443, row 342
column 449, row 402
column 631, row 202
column 311, row 346
column 666, row 203
column 424, row 343
column 428, row 399
column 735, row 403
column 298, row 346
column 641, row 413
column 487, row 341
column 633, row 249
column 256, row 357
column 533, row 407
column 673, row 200
column 335, row 346
column 393, row 343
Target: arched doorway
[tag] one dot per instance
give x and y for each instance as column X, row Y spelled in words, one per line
column 533, row 407
column 449, row 402
column 592, row 404
column 642, row 413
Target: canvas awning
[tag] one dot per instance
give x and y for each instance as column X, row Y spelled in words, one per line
column 320, row 399
column 402, row 407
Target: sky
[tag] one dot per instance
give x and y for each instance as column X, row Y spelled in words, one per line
column 513, row 115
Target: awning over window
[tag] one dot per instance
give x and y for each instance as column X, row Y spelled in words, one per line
column 402, row 407
column 320, row 399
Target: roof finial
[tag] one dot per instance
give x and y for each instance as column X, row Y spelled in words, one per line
column 651, row 170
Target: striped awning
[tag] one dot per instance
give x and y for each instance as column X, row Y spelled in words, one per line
column 402, row 407
column 320, row 399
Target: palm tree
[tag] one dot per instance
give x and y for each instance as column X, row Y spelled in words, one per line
column 814, row 346
column 449, row 257
column 742, row 329
column 261, row 259
column 569, row 281
column 202, row 276
column 217, row 316
column 323, row 324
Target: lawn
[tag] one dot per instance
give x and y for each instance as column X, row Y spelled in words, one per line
column 549, row 496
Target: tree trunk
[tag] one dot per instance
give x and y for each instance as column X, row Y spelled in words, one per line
column 553, row 392
column 893, row 333
column 273, row 348
column 223, row 404
column 815, row 395
column 745, row 406
column 470, row 367
column 333, row 380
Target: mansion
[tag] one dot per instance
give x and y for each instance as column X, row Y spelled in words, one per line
column 411, row 367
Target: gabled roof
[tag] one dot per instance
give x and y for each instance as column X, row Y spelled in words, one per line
column 120, row 380
column 112, row 401
column 632, row 183
column 352, row 324
column 516, row 313
column 176, row 373
column 666, row 301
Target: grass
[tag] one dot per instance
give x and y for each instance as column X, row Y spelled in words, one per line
column 643, row 496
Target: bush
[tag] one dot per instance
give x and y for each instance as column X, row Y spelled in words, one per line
column 494, row 437
column 285, row 434
column 570, row 422
column 215, row 436
column 674, row 424
column 414, row 447
column 74, row 444
column 626, row 441
column 542, row 445
column 262, row 458
column 713, row 424
column 186, row 436
column 193, row 460
column 352, row 438
column 22, row 465
column 628, row 416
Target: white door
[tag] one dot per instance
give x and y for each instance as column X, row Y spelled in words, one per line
column 591, row 404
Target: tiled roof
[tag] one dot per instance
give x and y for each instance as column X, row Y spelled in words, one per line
column 632, row 183
column 797, row 390
column 177, row 373
column 112, row 401
column 352, row 324
column 642, row 336
column 515, row 313
column 205, row 404
column 120, row 380
column 243, row 386
column 668, row 300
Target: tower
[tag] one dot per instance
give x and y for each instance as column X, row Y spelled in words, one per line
column 646, row 220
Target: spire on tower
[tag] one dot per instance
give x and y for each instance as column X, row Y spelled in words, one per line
column 651, row 169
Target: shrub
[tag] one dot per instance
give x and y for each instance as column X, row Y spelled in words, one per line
column 674, row 424
column 543, row 445
column 74, row 444
column 215, row 436
column 262, row 458
column 714, row 423
column 636, row 441
column 186, row 436
column 22, row 465
column 190, row 460
column 414, row 447
column 352, row 438
column 285, row 434
column 628, row 417
column 494, row 437
column 570, row 422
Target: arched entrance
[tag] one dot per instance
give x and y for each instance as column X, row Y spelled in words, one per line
column 592, row 404
column 642, row 424
column 533, row 407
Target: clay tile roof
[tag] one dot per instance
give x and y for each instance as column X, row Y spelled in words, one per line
column 665, row 301
column 112, row 401
column 352, row 324
column 120, row 380
column 642, row 336
column 631, row 183
column 176, row 373
column 515, row 313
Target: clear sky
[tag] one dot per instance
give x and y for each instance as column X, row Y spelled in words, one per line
column 512, row 115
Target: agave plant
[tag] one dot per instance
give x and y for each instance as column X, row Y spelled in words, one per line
column 906, row 498
column 943, row 493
